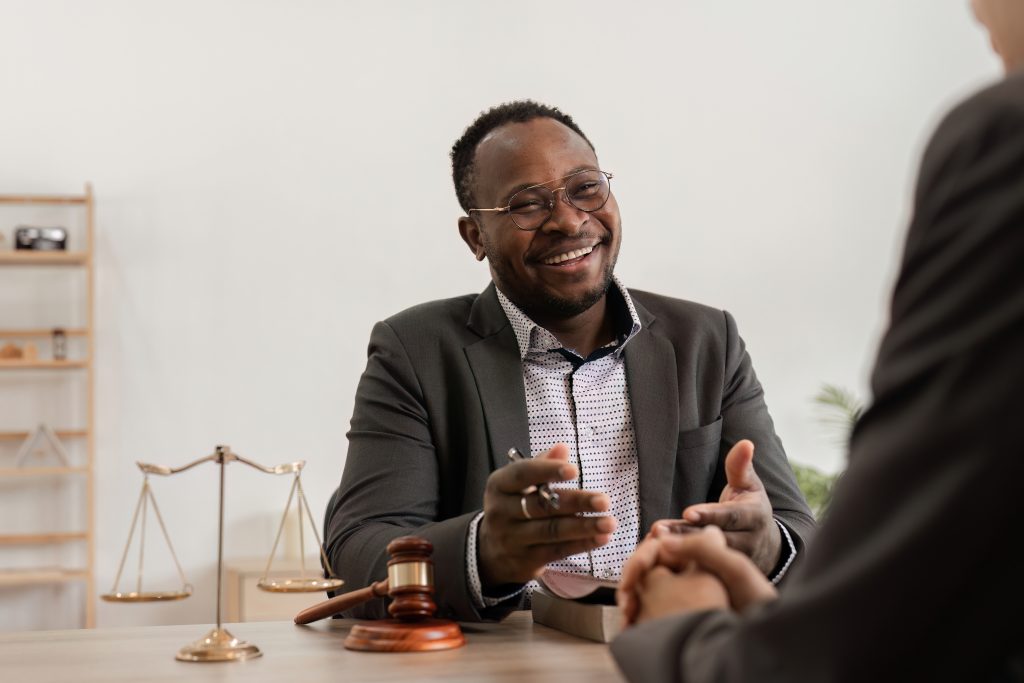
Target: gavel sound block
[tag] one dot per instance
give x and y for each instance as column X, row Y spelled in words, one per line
column 410, row 585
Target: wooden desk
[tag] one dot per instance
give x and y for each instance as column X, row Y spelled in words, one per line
column 514, row 650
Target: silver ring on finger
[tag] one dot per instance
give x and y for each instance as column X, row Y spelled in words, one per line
column 526, row 511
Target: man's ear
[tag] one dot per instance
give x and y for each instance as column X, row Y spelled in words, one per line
column 470, row 231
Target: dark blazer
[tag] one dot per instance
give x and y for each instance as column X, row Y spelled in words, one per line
column 917, row 573
column 442, row 400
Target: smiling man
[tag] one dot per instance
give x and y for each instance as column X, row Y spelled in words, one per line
column 629, row 403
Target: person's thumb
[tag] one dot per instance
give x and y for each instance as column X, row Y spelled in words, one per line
column 739, row 466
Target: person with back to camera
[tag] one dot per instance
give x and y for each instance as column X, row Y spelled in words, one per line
column 916, row 573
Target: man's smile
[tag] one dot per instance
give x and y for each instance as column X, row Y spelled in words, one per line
column 568, row 257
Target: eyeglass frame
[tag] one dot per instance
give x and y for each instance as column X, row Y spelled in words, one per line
column 554, row 198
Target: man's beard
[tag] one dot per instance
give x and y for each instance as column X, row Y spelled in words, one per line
column 551, row 306
column 541, row 304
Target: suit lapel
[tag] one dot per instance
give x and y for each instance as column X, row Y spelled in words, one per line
column 654, row 402
column 498, row 372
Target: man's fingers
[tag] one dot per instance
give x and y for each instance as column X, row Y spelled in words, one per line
column 555, row 530
column 732, row 516
column 519, row 476
column 559, row 451
column 739, row 467
column 570, row 502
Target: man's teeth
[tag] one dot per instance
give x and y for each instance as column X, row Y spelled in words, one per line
column 568, row 256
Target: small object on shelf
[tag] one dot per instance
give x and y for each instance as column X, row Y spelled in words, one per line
column 46, row 433
column 40, row 239
column 11, row 351
column 60, row 344
column 410, row 585
column 30, row 352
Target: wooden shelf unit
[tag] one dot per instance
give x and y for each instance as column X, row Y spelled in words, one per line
column 81, row 258
column 43, row 258
column 43, row 539
column 19, row 472
column 43, row 576
column 61, row 434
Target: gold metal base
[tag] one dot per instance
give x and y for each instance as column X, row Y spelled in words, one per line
column 299, row 585
column 218, row 646
column 147, row 596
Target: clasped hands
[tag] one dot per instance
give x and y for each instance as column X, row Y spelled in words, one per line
column 519, row 535
column 719, row 566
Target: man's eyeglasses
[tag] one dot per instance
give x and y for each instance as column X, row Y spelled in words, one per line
column 531, row 207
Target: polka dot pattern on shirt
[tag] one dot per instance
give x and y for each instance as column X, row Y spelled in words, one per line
column 584, row 403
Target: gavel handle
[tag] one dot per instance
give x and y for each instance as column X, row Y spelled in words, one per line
column 340, row 603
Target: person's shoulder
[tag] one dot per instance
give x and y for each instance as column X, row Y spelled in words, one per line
column 679, row 313
column 982, row 121
column 998, row 99
column 432, row 317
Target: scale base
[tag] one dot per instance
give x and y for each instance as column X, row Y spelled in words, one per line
column 391, row 635
column 218, row 646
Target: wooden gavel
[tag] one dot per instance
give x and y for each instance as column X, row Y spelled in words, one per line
column 410, row 584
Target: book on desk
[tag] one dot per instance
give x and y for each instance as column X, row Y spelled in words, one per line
column 582, row 606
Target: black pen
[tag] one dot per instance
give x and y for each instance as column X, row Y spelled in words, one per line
column 547, row 496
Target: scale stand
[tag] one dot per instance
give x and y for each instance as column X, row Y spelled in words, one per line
column 218, row 645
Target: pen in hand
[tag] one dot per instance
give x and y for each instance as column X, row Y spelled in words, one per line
column 548, row 497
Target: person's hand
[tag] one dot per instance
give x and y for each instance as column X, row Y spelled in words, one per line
column 664, row 593
column 513, row 548
column 743, row 511
column 742, row 581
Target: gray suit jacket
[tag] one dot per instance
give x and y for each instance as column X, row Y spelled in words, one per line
column 916, row 574
column 442, row 400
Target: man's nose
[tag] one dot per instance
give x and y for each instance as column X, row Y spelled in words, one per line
column 564, row 217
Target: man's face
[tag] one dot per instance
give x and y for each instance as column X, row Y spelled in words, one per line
column 523, row 264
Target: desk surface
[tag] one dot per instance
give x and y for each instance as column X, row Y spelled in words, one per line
column 514, row 650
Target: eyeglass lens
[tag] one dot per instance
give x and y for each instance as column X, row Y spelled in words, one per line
column 587, row 191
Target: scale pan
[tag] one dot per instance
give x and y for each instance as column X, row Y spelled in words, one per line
column 299, row 585
column 148, row 596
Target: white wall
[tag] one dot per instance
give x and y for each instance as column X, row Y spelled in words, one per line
column 273, row 177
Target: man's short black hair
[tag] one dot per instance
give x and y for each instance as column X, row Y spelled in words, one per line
column 464, row 149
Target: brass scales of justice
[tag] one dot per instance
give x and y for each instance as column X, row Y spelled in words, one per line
column 219, row 645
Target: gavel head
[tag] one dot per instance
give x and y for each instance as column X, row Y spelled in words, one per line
column 411, row 578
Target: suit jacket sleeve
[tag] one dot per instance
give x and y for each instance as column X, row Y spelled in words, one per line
column 915, row 574
column 745, row 416
column 390, row 486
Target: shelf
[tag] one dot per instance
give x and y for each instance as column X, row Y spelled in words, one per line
column 19, row 364
column 61, row 434
column 42, row 199
column 42, row 332
column 39, row 577
column 39, row 474
column 19, row 472
column 43, row 258
column 43, row 539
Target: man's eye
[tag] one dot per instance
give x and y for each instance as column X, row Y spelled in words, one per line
column 586, row 189
column 527, row 206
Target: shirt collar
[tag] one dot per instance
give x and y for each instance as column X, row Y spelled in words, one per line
column 532, row 337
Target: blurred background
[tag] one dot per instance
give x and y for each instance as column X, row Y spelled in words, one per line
column 272, row 177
